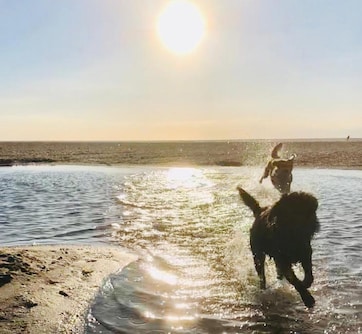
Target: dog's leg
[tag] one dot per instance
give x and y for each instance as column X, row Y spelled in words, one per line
column 259, row 258
column 259, row 261
column 307, row 267
column 266, row 173
column 299, row 286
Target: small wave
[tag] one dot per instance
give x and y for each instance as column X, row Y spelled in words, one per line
column 121, row 199
column 112, row 226
column 73, row 233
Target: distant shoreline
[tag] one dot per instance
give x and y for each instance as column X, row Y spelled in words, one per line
column 262, row 140
column 311, row 153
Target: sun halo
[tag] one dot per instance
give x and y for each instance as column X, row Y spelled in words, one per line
column 181, row 27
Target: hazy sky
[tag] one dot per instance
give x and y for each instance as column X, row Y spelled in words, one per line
column 96, row 70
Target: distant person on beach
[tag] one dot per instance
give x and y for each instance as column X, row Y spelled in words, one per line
column 279, row 170
column 347, row 137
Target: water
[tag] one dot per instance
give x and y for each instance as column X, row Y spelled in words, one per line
column 195, row 272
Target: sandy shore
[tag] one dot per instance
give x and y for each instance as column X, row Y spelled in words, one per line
column 47, row 289
column 310, row 153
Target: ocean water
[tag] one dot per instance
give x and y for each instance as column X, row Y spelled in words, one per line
column 190, row 230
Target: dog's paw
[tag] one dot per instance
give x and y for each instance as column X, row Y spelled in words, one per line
column 308, row 299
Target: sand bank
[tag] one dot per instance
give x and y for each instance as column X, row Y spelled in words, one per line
column 310, row 153
column 47, row 289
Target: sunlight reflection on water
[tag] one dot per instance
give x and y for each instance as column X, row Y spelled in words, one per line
column 203, row 220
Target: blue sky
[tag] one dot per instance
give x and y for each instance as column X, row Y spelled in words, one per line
column 95, row 70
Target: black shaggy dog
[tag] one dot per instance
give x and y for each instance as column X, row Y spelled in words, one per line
column 284, row 232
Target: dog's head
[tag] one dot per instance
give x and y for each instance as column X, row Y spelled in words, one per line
column 297, row 211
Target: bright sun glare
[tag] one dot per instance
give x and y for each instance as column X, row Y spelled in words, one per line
column 181, row 26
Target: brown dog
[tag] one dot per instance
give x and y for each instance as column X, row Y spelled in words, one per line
column 279, row 170
column 284, row 232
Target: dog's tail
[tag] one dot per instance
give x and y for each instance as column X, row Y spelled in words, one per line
column 250, row 201
column 275, row 152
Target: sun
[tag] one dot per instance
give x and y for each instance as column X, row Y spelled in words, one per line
column 181, row 26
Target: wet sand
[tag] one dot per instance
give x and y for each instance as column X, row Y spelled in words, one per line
column 47, row 289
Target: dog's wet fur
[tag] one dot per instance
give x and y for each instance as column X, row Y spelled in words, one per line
column 279, row 170
column 284, row 231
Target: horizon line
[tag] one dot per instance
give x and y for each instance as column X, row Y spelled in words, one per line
column 181, row 140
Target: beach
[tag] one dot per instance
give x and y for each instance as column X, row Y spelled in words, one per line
column 47, row 289
column 337, row 153
column 92, row 209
